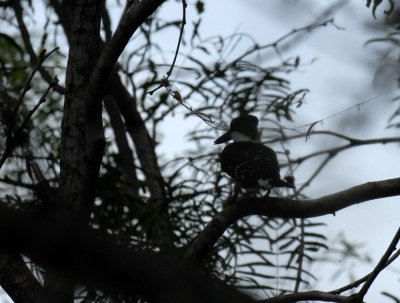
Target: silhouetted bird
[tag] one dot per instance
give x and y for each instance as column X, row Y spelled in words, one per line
column 251, row 164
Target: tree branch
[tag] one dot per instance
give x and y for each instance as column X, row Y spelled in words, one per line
column 96, row 260
column 379, row 267
column 130, row 22
column 306, row 296
column 145, row 150
column 286, row 208
column 363, row 279
column 135, row 126
column 82, row 137
column 352, row 142
column 16, row 279
column 333, row 296
column 34, row 60
column 169, row 72
column 126, row 164
column 14, row 134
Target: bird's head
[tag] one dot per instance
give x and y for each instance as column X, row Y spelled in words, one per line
column 242, row 129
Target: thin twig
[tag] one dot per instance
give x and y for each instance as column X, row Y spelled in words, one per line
column 338, row 149
column 274, row 44
column 34, row 59
column 174, row 92
column 12, row 131
column 169, row 72
column 317, row 171
column 311, row 125
column 302, row 231
column 301, row 257
column 40, row 102
column 317, row 295
column 42, row 57
column 317, row 132
column 380, row 266
column 8, row 180
column 363, row 279
column 184, row 5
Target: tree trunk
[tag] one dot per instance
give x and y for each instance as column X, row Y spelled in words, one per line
column 79, row 170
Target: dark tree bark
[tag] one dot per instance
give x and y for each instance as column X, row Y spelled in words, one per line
column 82, row 142
column 98, row 261
column 82, row 133
column 127, row 165
column 145, row 150
column 144, row 145
column 16, row 279
column 78, row 171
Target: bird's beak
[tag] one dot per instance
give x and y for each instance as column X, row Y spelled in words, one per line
column 224, row 138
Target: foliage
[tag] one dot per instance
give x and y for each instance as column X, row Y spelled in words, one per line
column 376, row 3
column 390, row 56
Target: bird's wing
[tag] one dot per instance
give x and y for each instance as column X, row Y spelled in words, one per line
column 266, row 159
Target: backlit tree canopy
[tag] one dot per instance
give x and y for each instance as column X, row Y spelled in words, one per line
column 94, row 210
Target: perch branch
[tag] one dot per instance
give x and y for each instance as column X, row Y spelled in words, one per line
column 307, row 296
column 286, row 208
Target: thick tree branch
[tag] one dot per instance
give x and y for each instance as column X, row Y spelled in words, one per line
column 132, row 19
column 136, row 128
column 130, row 22
column 313, row 295
column 82, row 137
column 127, row 105
column 126, row 164
column 286, row 208
column 16, row 279
column 49, row 239
column 63, row 11
column 145, row 150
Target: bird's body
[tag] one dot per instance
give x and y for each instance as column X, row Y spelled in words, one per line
column 248, row 162
column 252, row 165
